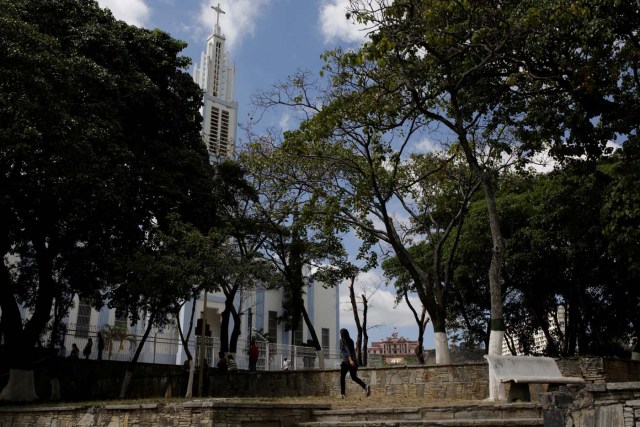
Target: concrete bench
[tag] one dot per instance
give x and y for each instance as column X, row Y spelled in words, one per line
column 520, row 371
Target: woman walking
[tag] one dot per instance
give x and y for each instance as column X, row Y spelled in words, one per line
column 349, row 364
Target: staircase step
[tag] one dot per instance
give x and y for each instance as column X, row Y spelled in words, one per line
column 449, row 412
column 462, row 415
column 515, row 422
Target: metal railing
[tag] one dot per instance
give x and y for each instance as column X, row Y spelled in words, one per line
column 164, row 347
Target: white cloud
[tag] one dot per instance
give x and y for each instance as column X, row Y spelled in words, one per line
column 238, row 21
column 335, row 26
column 133, row 12
column 613, row 144
column 382, row 310
column 425, row 145
column 286, row 121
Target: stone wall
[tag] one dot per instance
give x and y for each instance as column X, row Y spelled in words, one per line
column 191, row 413
column 595, row 405
column 611, row 396
column 451, row 382
column 82, row 380
column 600, row 370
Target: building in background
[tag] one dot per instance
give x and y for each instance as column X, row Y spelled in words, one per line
column 259, row 312
column 393, row 349
column 539, row 338
column 215, row 75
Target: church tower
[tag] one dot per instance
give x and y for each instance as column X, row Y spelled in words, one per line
column 216, row 77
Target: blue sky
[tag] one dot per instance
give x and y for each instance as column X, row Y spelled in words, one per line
column 269, row 40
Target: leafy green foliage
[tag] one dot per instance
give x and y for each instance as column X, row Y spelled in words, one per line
column 99, row 143
column 559, row 269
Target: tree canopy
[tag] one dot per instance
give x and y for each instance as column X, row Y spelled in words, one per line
column 99, row 143
column 561, row 276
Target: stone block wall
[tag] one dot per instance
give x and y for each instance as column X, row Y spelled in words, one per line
column 599, row 370
column 82, row 380
column 611, row 396
column 595, row 405
column 450, row 382
column 191, row 413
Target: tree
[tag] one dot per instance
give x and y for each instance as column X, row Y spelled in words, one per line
column 355, row 162
column 244, row 266
column 168, row 269
column 561, row 278
column 299, row 252
column 404, row 286
column 619, row 214
column 99, row 141
column 362, row 326
column 444, row 67
column 552, row 73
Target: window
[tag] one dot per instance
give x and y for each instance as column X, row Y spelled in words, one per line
column 214, row 129
column 121, row 320
column 273, row 326
column 224, row 133
column 216, row 69
column 325, row 340
column 84, row 318
column 297, row 335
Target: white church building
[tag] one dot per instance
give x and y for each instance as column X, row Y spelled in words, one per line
column 216, row 77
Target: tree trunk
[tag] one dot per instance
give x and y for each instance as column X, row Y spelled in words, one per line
column 314, row 336
column 229, row 296
column 356, row 318
column 496, row 388
column 136, row 356
column 495, row 268
column 21, row 340
column 191, row 375
column 21, row 386
column 424, row 285
column 365, row 336
column 185, row 339
column 185, row 346
column 443, row 354
column 55, row 388
column 224, row 329
column 422, row 322
column 235, row 333
column 497, row 325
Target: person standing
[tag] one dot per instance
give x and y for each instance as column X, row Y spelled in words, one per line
column 75, row 352
column 349, row 364
column 222, row 363
column 100, row 345
column 285, row 364
column 253, row 355
column 86, row 352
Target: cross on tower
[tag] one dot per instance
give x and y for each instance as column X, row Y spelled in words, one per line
column 218, row 11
